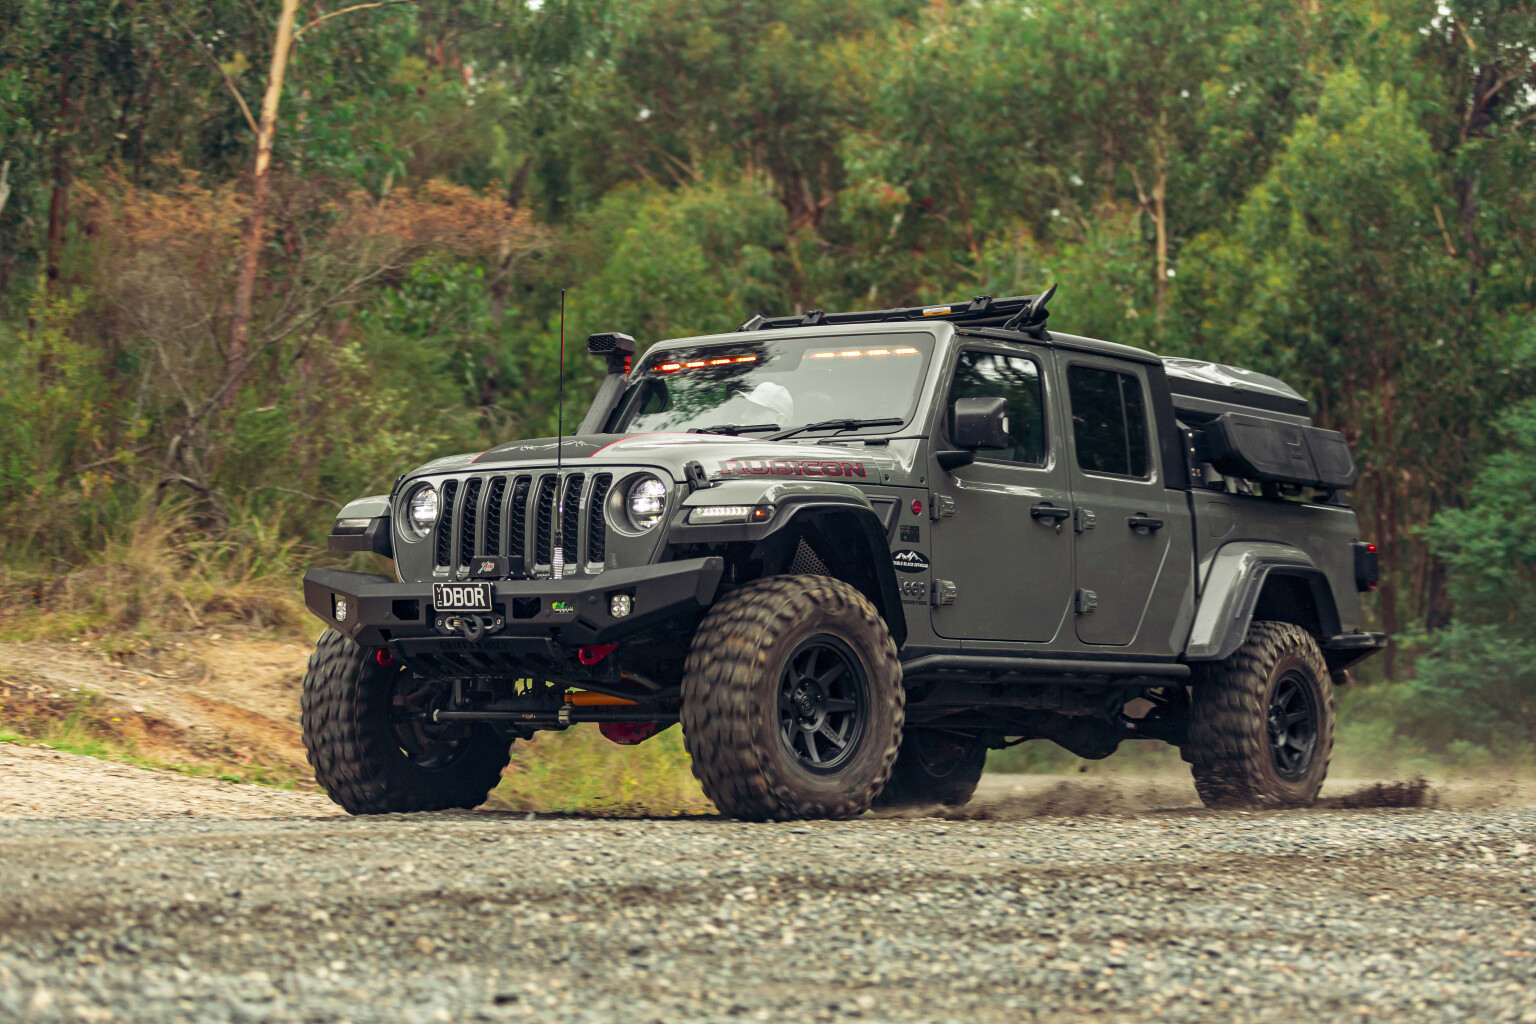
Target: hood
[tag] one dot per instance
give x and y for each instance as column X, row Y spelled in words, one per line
column 721, row 456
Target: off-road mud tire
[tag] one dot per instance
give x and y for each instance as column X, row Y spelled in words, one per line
column 1228, row 745
column 730, row 708
column 916, row 781
column 352, row 746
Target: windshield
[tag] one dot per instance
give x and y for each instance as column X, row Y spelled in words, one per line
column 757, row 386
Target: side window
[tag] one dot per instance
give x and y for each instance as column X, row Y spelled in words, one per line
column 1109, row 421
column 1016, row 380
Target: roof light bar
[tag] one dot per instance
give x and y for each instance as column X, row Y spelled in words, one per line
column 695, row 364
column 854, row 353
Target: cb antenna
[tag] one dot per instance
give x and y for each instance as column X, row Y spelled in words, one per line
column 557, row 557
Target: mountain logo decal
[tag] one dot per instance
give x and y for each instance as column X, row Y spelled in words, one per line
column 910, row 561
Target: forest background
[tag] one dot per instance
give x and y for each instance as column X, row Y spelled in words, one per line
column 204, row 352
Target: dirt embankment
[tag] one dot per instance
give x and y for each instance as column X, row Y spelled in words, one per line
column 213, row 701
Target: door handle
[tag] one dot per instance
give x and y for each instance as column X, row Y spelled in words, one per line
column 1054, row 513
column 1142, row 521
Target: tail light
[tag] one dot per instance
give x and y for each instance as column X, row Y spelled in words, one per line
column 1367, row 566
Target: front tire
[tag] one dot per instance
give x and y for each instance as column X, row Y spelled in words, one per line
column 1261, row 722
column 370, row 756
column 792, row 701
column 934, row 767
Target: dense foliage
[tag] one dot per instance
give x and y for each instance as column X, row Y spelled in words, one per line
column 1342, row 192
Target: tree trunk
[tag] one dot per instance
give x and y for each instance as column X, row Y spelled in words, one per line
column 58, row 201
column 1160, row 208
column 250, row 258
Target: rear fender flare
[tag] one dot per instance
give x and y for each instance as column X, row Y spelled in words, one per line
column 1234, row 584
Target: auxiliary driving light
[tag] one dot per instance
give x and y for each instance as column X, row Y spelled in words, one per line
column 620, row 605
column 340, row 607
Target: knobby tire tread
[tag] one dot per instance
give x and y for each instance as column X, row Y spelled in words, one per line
column 1227, row 747
column 359, row 764
column 730, row 651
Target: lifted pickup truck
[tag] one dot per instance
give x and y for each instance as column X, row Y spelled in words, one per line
column 850, row 553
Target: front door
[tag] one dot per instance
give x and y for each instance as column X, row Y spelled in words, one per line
column 1124, row 518
column 1002, row 547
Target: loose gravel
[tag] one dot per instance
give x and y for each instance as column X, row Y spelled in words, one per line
column 1413, row 915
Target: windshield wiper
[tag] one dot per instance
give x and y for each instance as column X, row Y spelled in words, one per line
column 733, row 428
column 837, row 425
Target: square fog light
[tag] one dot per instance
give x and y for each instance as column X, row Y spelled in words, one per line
column 620, row 605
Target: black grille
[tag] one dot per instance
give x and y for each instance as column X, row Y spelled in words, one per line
column 544, row 521
column 597, row 523
column 445, row 523
column 517, row 523
column 486, row 516
column 570, row 520
column 469, row 520
column 493, row 516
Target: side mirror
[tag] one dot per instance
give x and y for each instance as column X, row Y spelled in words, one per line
column 981, row 423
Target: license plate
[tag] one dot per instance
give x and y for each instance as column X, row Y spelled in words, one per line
column 462, row 597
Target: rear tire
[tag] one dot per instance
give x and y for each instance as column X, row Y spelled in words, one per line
column 1261, row 722
column 792, row 701
column 934, row 767
column 371, row 762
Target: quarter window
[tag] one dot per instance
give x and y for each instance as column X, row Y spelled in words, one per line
column 1016, row 380
column 1109, row 421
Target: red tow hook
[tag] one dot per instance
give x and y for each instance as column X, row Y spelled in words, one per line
column 385, row 659
column 591, row 654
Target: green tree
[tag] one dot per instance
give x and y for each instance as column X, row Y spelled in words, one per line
column 1334, row 275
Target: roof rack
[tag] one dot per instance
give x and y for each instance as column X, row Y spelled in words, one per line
column 1024, row 313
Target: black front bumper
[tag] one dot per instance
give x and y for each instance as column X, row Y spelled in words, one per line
column 379, row 610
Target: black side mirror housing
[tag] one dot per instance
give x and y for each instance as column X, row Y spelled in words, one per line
column 981, row 423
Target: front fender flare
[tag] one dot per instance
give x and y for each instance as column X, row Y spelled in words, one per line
column 1233, row 585
column 860, row 545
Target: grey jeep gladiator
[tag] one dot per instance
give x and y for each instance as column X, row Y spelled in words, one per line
column 850, row 553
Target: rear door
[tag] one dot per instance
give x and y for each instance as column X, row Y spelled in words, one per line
column 1002, row 540
column 1124, row 518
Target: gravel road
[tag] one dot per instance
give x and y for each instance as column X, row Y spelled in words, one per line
column 1176, row 915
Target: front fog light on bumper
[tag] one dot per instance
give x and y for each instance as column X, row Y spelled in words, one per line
column 620, row 605
column 339, row 605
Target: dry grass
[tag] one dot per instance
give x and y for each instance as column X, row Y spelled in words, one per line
column 159, row 576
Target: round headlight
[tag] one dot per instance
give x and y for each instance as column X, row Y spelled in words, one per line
column 421, row 510
column 646, row 498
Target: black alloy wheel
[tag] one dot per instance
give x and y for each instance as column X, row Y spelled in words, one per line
column 943, row 754
column 792, row 703
column 823, row 699
column 935, row 766
column 1260, row 722
column 433, row 746
column 1292, row 724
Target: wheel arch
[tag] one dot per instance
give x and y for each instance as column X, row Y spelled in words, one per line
column 1248, row 581
column 851, row 542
